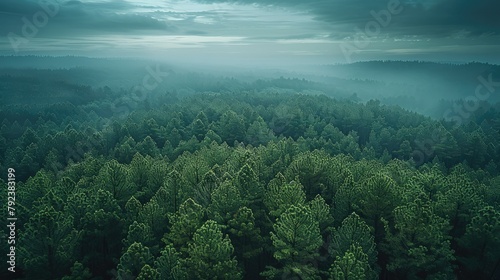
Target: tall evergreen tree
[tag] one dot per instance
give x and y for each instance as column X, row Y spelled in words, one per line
column 352, row 265
column 133, row 260
column 184, row 224
column 210, row 254
column 280, row 195
column 420, row 244
column 355, row 232
column 170, row 265
column 296, row 239
column 49, row 244
column 481, row 241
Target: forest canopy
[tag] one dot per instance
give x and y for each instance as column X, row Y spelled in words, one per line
column 267, row 180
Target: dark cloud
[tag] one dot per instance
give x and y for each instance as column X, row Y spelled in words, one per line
column 78, row 18
column 419, row 17
column 294, row 27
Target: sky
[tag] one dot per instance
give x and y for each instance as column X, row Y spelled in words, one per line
column 255, row 31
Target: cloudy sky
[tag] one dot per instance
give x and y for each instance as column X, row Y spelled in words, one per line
column 314, row 31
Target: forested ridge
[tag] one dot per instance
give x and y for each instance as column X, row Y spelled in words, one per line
column 249, row 184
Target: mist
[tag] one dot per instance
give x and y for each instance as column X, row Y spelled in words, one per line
column 250, row 139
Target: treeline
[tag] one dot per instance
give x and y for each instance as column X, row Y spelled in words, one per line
column 248, row 185
column 30, row 134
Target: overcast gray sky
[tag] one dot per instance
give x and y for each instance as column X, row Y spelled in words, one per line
column 273, row 31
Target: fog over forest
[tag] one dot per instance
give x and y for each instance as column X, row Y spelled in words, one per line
column 250, row 139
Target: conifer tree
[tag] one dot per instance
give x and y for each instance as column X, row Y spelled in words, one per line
column 169, row 265
column 296, row 239
column 133, row 260
column 352, row 265
column 184, row 224
column 279, row 198
column 49, row 244
column 211, row 254
column 481, row 242
column 226, row 200
column 78, row 272
column 147, row 273
column 420, row 244
column 355, row 232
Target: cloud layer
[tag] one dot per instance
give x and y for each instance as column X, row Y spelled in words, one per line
column 288, row 29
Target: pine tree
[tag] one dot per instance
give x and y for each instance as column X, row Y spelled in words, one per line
column 102, row 235
column 481, row 242
column 279, row 197
column 231, row 127
column 378, row 196
column 244, row 234
column 78, row 272
column 204, row 190
column 169, row 265
column 133, row 260
column 184, row 224
column 148, row 273
column 352, row 265
column 139, row 233
column 155, row 217
column 420, row 245
column 344, row 199
column 313, row 172
column 148, row 147
column 210, row 254
column 296, row 239
column 198, row 129
column 248, row 184
column 226, row 200
column 114, row 178
column 355, row 232
column 49, row 244
column 174, row 184
column 259, row 133
column 132, row 209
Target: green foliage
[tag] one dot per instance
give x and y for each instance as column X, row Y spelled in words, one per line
column 231, row 127
column 78, row 272
column 114, row 178
column 133, row 261
column 96, row 195
column 481, row 242
column 147, row 273
column 210, row 254
column 101, row 240
column 378, row 196
column 244, row 234
column 312, row 170
column 203, row 192
column 352, row 265
column 184, row 224
column 354, row 232
column 280, row 196
column 259, row 133
column 155, row 217
column 174, row 184
column 226, row 200
column 296, row 238
column 132, row 209
column 420, row 244
column 345, row 198
column 321, row 212
column 49, row 244
column 138, row 233
column 169, row 265
column 248, row 184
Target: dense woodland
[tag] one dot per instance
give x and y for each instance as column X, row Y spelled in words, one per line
column 242, row 184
